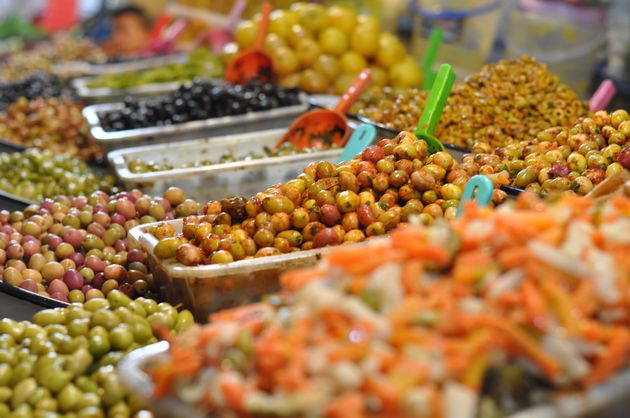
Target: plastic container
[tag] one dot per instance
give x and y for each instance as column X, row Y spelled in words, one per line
column 210, row 288
column 470, row 28
column 567, row 41
column 242, row 177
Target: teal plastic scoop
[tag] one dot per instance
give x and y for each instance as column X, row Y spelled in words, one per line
column 480, row 189
column 361, row 138
column 433, row 110
column 435, row 40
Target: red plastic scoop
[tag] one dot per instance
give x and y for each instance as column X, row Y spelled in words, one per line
column 253, row 63
column 323, row 127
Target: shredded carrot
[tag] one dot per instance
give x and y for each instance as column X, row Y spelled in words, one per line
column 350, row 405
column 472, row 266
column 513, row 258
column 474, row 373
column 297, row 279
column 523, row 341
column 412, row 277
column 561, row 304
column 535, row 306
column 614, row 357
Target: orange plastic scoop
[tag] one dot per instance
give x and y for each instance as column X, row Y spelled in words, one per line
column 253, row 64
column 323, row 127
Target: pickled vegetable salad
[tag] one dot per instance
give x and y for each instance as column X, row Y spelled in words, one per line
column 407, row 326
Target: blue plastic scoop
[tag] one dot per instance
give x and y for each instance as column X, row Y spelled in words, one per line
column 361, row 138
column 483, row 187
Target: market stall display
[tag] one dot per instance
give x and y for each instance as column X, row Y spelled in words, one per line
column 321, row 49
column 522, row 291
column 508, row 101
column 193, row 109
column 562, row 159
column 200, row 64
column 74, row 249
column 198, row 101
column 41, row 59
column 325, row 205
column 63, row 360
column 54, row 124
column 209, row 168
column 38, row 85
column 36, row 174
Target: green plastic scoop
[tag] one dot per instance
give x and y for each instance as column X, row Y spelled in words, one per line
column 433, row 109
column 435, row 40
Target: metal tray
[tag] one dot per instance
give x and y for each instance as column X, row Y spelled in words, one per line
column 106, row 95
column 591, row 403
column 241, row 177
column 210, row 288
column 90, row 68
column 186, row 130
column 20, row 304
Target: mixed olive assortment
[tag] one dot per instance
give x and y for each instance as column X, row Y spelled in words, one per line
column 35, row 174
column 562, row 159
column 32, row 87
column 76, row 249
column 62, row 363
column 325, row 205
column 55, row 124
column 201, row 63
column 140, row 166
column 41, row 58
column 197, row 101
column 505, row 102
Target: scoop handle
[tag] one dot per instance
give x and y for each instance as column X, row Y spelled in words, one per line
column 602, row 96
column 355, row 91
column 264, row 26
column 484, row 187
column 361, row 138
column 235, row 15
column 435, row 41
column 435, row 103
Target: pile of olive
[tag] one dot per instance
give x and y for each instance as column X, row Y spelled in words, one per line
column 505, row 102
column 325, row 205
column 562, row 159
column 140, row 166
column 197, row 101
column 76, row 249
column 62, row 363
column 201, row 63
column 55, row 124
column 32, row 87
column 35, row 174
column 42, row 57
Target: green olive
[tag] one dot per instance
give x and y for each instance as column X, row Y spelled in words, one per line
column 69, row 396
column 525, row 177
column 99, row 345
column 6, row 373
column 50, row 316
column 121, row 337
column 184, row 320
column 105, row 318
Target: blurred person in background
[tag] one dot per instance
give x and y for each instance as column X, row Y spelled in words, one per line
column 131, row 30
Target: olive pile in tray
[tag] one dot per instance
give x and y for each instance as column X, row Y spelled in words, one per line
column 574, row 159
column 197, row 101
column 62, row 362
column 32, row 87
column 325, row 205
column 74, row 249
column 504, row 102
column 140, row 166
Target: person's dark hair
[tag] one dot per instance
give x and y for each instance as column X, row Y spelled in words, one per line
column 135, row 11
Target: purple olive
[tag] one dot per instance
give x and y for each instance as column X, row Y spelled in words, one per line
column 117, row 218
column 27, row 238
column 121, row 245
column 127, row 289
column 95, row 263
column 73, row 237
column 79, row 202
column 30, row 285
column 78, row 258
column 86, row 288
column 136, row 255
column 46, row 204
column 73, row 279
column 62, row 297
column 31, row 247
column 15, row 251
column 98, row 280
column 58, row 286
